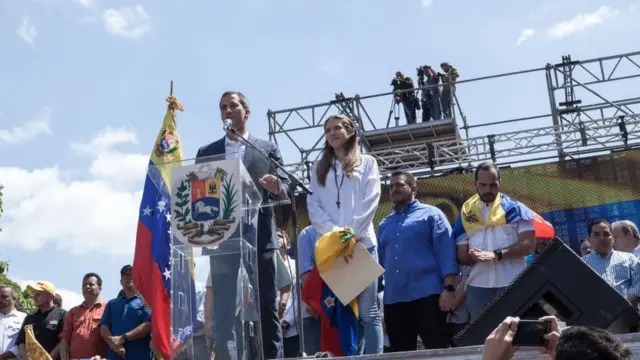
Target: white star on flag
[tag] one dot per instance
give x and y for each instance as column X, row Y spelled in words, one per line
column 167, row 274
column 161, row 205
column 168, row 217
column 329, row 302
column 147, row 211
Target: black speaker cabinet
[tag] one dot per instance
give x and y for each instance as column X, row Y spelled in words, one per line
column 558, row 283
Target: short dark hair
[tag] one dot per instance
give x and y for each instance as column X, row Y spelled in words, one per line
column 14, row 294
column 410, row 179
column 57, row 300
column 243, row 99
column 486, row 166
column 596, row 222
column 92, row 274
column 587, row 343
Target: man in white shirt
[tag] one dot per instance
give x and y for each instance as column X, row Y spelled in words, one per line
column 626, row 237
column 225, row 261
column 500, row 234
column 10, row 323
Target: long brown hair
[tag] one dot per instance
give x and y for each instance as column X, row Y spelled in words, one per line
column 352, row 156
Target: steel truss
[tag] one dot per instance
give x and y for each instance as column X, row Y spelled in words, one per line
column 601, row 121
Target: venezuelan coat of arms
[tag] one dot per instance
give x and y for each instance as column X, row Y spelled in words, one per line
column 205, row 203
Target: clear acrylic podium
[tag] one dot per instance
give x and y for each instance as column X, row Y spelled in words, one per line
column 214, row 212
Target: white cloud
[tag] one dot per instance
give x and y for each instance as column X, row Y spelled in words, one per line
column 80, row 216
column 632, row 8
column 84, row 3
column 41, row 124
column 582, row 22
column 525, row 35
column 105, row 140
column 129, row 22
column 27, row 31
column 70, row 298
column 427, row 3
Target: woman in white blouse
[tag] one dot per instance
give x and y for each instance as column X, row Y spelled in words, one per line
column 346, row 191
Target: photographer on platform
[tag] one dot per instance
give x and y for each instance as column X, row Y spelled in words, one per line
column 431, row 109
column 448, row 88
column 407, row 98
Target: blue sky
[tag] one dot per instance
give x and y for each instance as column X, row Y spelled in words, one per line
column 83, row 84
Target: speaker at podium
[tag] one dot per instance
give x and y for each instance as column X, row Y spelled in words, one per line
column 558, row 283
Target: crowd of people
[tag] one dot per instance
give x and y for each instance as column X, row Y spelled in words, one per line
column 94, row 329
column 436, row 99
column 437, row 275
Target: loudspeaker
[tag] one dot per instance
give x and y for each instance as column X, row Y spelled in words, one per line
column 558, row 283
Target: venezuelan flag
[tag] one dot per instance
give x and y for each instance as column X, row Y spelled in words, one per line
column 152, row 260
column 503, row 211
column 339, row 322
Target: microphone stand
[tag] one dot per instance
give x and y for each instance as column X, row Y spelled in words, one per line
column 294, row 184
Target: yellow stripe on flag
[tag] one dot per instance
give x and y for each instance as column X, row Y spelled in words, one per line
column 167, row 150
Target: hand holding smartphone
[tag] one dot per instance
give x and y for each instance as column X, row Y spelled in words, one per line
column 531, row 333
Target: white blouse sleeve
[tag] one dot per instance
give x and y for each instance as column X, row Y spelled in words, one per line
column 317, row 214
column 365, row 208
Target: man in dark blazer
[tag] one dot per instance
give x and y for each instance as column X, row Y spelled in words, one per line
column 273, row 185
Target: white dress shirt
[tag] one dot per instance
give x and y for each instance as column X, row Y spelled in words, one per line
column 10, row 325
column 234, row 148
column 494, row 274
column 291, row 311
column 359, row 196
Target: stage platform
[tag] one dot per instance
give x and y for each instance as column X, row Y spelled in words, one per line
column 423, row 132
column 632, row 341
column 421, row 145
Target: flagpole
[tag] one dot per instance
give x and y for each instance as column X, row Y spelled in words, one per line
column 171, row 259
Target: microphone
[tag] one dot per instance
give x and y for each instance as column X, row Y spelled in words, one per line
column 226, row 125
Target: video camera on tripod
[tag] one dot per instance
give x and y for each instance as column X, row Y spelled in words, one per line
column 421, row 70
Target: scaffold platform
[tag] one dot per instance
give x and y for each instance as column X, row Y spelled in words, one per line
column 585, row 115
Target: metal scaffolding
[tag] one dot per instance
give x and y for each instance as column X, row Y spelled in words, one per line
column 605, row 119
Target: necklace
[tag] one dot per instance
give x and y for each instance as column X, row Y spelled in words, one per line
column 338, row 186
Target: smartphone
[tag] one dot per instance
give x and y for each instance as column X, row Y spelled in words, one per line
column 531, row 333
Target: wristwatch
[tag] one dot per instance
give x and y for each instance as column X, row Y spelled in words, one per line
column 125, row 337
column 450, row 288
column 498, row 254
column 283, row 305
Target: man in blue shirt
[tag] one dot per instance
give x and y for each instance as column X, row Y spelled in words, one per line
column 419, row 258
column 126, row 323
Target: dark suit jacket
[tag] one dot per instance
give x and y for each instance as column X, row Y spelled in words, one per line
column 258, row 165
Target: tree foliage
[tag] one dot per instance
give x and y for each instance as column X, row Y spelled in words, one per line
column 1, row 187
column 25, row 298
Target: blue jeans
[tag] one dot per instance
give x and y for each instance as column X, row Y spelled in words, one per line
column 478, row 298
column 370, row 316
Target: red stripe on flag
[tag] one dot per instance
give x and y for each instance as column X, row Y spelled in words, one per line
column 148, row 279
column 543, row 229
column 312, row 292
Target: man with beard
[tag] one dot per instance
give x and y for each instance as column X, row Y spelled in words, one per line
column 225, row 260
column 47, row 321
column 493, row 234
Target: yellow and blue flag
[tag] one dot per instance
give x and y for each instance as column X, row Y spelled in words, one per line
column 339, row 322
column 503, row 211
column 152, row 260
